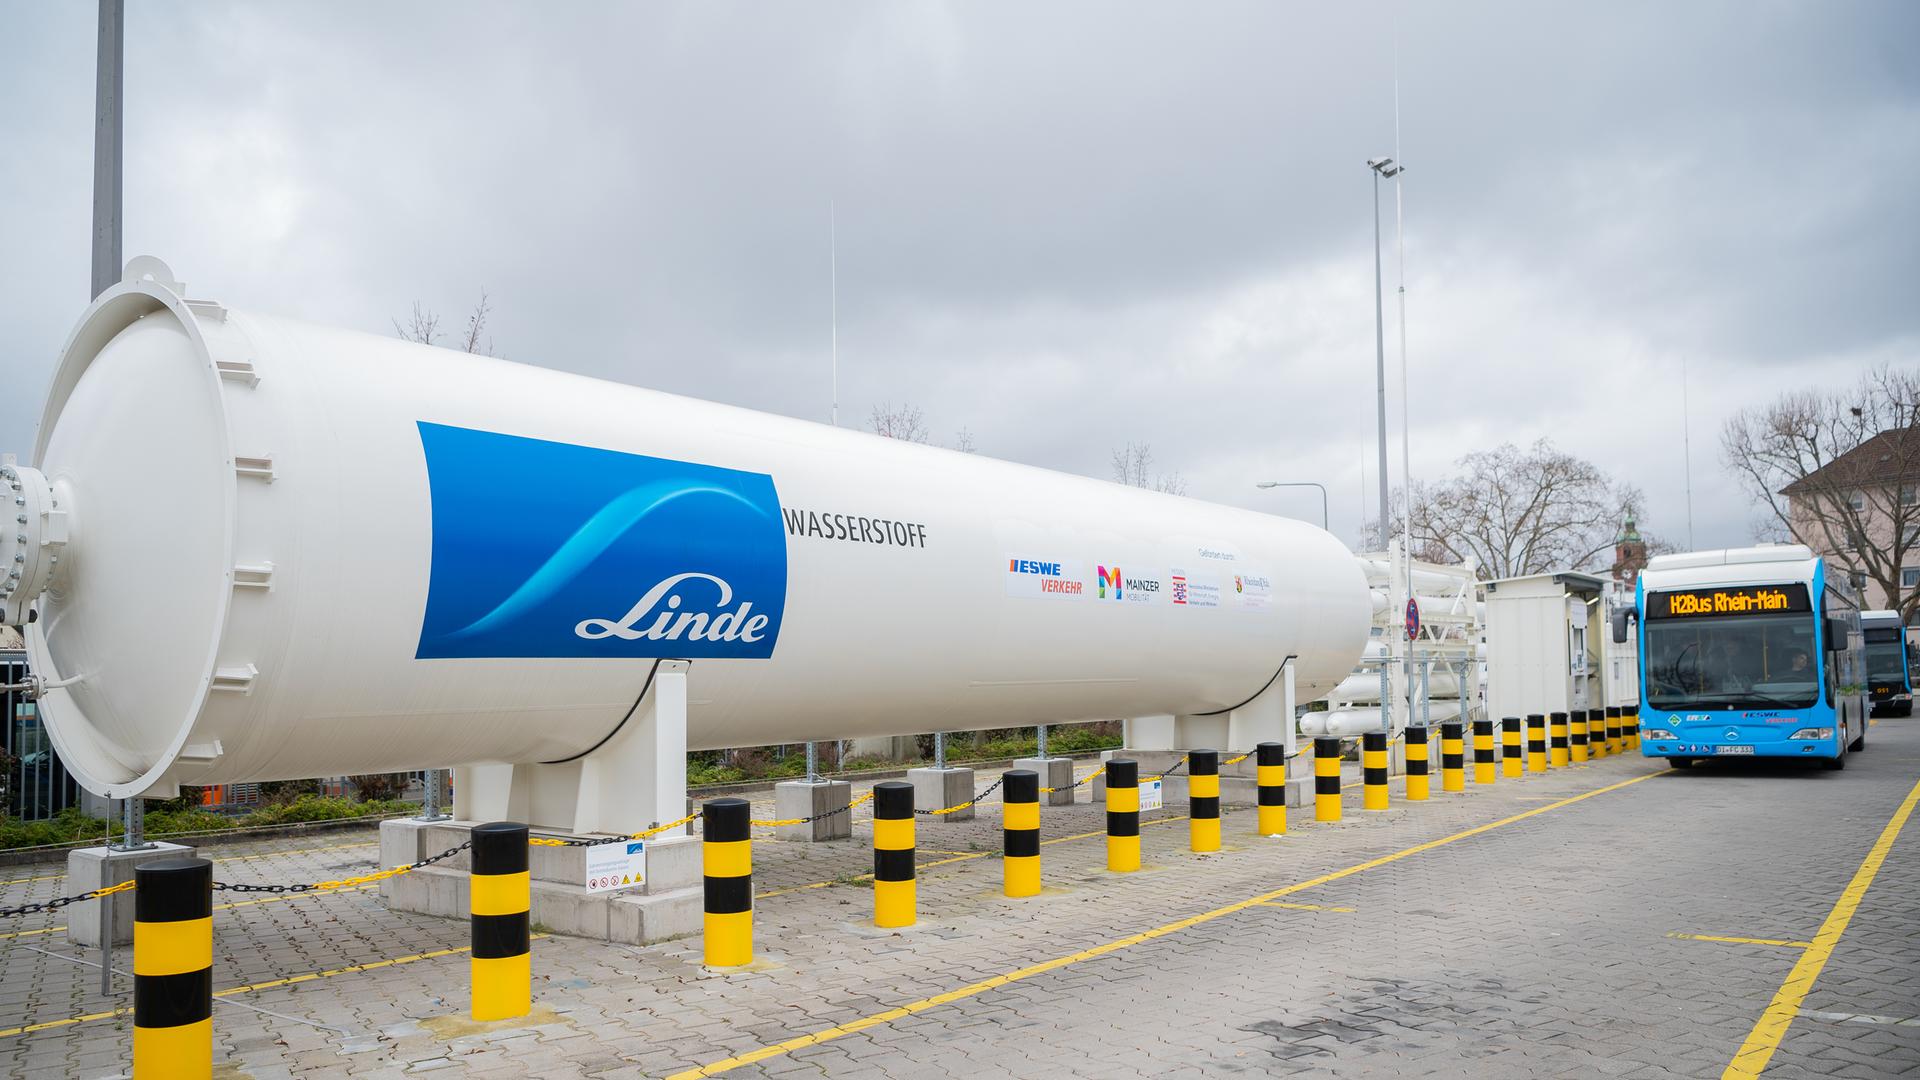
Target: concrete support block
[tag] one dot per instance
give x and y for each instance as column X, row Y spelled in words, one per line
column 799, row 799
column 97, row 868
column 670, row 904
column 937, row 789
column 674, row 863
column 400, row 845
column 1055, row 773
column 643, row 920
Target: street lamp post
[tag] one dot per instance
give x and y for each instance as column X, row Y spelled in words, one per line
column 1301, row 483
column 1387, row 168
column 1380, row 167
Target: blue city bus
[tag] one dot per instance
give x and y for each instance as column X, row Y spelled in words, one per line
column 1889, row 673
column 1750, row 652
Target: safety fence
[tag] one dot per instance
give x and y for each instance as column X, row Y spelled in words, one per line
column 173, row 896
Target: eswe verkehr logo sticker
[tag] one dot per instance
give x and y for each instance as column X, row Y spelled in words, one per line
column 547, row 549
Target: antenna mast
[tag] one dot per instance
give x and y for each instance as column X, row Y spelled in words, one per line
column 833, row 279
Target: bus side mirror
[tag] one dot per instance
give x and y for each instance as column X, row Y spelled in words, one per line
column 1836, row 635
column 1620, row 627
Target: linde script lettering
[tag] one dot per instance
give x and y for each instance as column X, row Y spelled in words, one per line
column 852, row 527
column 669, row 623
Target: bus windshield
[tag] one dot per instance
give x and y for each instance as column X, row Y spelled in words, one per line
column 1886, row 657
column 1733, row 662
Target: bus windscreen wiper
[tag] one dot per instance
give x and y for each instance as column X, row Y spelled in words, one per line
column 1785, row 703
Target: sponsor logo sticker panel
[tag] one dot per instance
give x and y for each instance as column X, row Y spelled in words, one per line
column 1044, row 577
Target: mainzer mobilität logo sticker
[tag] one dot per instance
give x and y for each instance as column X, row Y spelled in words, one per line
column 547, row 549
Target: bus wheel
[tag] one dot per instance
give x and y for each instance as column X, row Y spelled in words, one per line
column 1680, row 762
column 1835, row 763
column 1859, row 743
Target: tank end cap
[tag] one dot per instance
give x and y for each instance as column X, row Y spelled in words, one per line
column 149, row 268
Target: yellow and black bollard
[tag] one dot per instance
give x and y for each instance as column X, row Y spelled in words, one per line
column 727, row 852
column 1020, row 833
column 1484, row 769
column 894, row 896
column 1596, row 734
column 1453, row 757
column 1577, row 736
column 499, row 896
column 173, row 969
column 1614, row 745
column 1417, row 764
column 1536, row 742
column 1510, row 760
column 1203, row 799
column 1326, row 779
column 1123, row 815
column 1373, row 770
column 1560, row 749
column 1630, row 726
column 1270, row 779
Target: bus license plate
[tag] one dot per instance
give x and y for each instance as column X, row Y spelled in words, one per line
column 1733, row 749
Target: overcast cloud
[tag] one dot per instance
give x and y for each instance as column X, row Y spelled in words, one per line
column 1061, row 226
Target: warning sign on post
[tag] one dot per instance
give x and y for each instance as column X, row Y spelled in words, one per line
column 620, row 865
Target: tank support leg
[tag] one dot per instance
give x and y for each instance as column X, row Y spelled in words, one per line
column 635, row 781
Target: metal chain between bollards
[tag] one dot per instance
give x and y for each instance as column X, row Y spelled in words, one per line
column 821, row 816
column 1076, row 783
column 59, row 902
column 962, row 806
column 346, row 883
column 646, row 834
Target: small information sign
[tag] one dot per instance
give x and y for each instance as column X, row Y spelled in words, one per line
column 1152, row 795
column 619, row 865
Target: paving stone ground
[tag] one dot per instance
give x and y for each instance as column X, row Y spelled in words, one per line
column 1542, row 946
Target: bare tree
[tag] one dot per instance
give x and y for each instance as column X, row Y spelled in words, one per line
column 963, row 441
column 1516, row 512
column 1133, row 466
column 906, row 423
column 423, row 326
column 470, row 340
column 1839, row 472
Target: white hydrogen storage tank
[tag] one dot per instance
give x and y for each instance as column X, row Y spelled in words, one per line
column 249, row 548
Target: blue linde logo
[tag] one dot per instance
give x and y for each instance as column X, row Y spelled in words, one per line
column 546, row 549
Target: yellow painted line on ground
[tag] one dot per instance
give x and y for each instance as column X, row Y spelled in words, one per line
column 24, row 880
column 1307, row 907
column 31, row 1028
column 30, row 933
column 252, row 987
column 714, row 1068
column 1752, row 1057
column 1744, row 940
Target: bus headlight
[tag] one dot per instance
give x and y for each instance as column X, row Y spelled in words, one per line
column 1812, row 733
column 1658, row 733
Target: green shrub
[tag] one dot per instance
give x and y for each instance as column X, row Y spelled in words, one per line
column 319, row 808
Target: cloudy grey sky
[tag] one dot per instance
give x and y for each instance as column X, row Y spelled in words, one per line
column 1063, row 226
